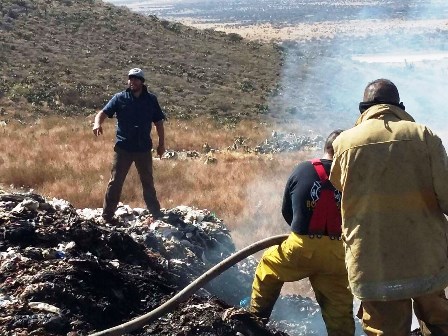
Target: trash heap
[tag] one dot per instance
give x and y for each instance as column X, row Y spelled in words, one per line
column 278, row 142
column 288, row 142
column 64, row 272
column 181, row 155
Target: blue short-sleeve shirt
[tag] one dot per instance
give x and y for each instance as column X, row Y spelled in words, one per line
column 134, row 119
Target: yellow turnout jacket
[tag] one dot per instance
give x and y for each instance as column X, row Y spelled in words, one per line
column 393, row 174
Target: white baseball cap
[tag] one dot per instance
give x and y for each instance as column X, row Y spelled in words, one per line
column 136, row 72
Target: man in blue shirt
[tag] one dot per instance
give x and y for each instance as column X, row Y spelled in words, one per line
column 135, row 109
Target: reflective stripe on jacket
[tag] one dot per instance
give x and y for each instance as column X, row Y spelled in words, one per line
column 393, row 174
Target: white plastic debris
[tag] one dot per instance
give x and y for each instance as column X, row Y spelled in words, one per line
column 195, row 216
column 165, row 229
column 6, row 300
column 89, row 213
column 123, row 211
column 42, row 306
column 139, row 211
column 60, row 204
column 30, row 204
column 115, row 263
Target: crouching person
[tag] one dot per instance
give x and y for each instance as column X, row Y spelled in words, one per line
column 314, row 249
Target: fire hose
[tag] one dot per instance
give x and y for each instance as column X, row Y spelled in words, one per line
column 172, row 303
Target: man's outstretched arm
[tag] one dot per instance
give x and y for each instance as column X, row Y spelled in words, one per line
column 99, row 119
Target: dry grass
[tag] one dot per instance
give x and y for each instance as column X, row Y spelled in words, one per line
column 192, row 134
column 61, row 158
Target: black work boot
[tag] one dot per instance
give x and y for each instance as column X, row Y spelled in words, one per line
column 110, row 220
column 156, row 214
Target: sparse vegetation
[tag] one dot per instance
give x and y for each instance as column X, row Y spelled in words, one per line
column 68, row 58
column 61, row 158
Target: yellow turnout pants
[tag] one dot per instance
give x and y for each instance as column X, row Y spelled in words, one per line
column 319, row 259
column 394, row 318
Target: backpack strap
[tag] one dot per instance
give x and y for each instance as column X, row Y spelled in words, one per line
column 326, row 217
column 320, row 170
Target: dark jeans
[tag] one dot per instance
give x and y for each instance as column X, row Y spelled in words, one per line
column 120, row 168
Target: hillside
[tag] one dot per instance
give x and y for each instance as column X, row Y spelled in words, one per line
column 68, row 57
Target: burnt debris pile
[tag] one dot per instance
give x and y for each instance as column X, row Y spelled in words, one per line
column 64, row 272
column 278, row 142
column 288, row 142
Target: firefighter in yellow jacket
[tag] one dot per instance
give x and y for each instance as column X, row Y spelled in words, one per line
column 393, row 174
column 311, row 206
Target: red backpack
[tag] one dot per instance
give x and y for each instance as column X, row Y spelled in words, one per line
column 326, row 217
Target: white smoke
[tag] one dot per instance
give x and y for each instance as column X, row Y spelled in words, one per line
column 323, row 80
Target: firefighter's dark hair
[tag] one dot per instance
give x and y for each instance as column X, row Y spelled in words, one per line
column 381, row 90
column 328, row 148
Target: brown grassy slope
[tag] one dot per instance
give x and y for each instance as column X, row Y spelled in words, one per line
column 68, row 57
column 61, row 158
